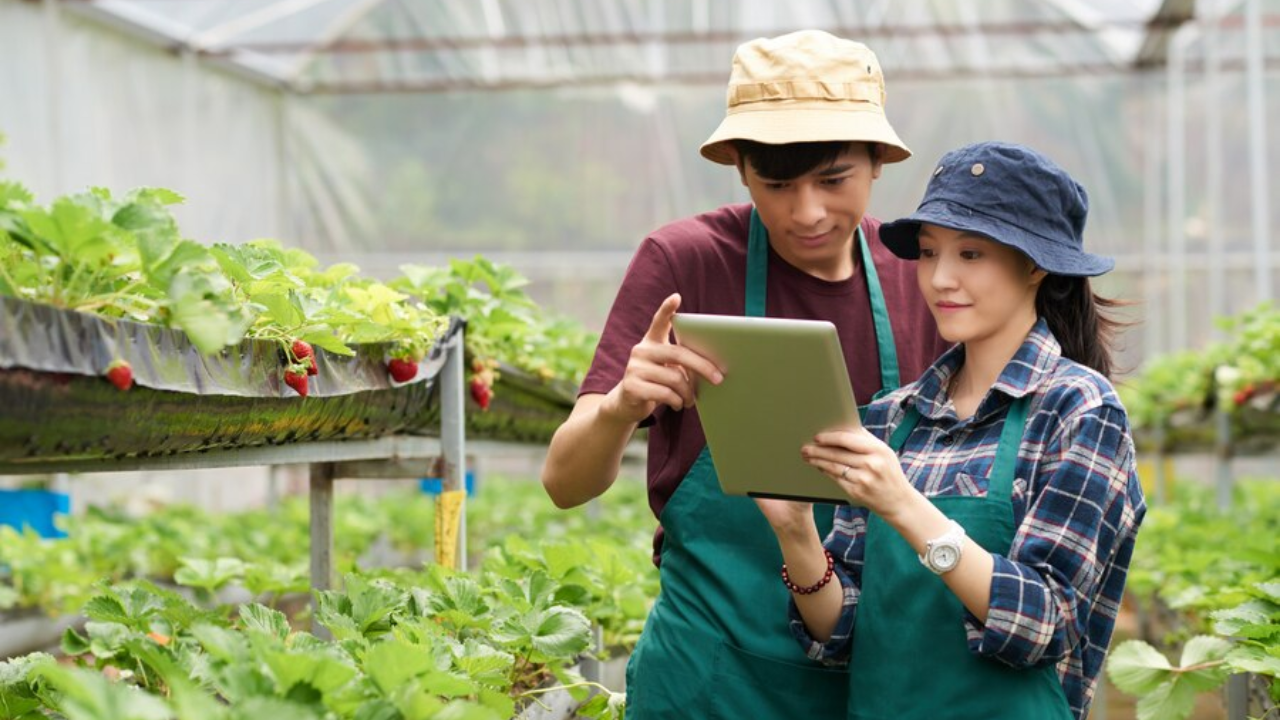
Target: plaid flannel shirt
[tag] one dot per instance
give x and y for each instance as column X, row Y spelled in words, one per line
column 1076, row 498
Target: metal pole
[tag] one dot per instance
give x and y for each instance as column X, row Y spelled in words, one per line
column 1258, row 167
column 53, row 55
column 321, row 539
column 1237, row 692
column 453, row 435
column 1217, row 246
column 1152, row 272
column 1177, row 191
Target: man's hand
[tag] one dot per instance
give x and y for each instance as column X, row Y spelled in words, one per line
column 659, row 372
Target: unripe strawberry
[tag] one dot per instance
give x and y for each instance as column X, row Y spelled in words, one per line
column 120, row 373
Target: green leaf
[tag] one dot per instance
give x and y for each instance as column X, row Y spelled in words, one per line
column 210, row 325
column 263, row 619
column 1253, row 659
column 106, row 608
column 73, row 643
column 74, row 232
column 393, row 663
column 1253, row 619
column 1137, row 668
column 315, row 669
column 484, row 664
column 280, row 309
column 209, row 574
column 1170, row 700
column 12, row 193
column 1269, row 591
column 90, row 696
column 329, row 342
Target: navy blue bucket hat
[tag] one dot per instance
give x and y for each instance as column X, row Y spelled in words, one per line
column 1010, row 194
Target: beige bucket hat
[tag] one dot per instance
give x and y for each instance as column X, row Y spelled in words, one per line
column 806, row 86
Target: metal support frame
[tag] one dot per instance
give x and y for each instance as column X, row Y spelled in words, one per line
column 389, row 458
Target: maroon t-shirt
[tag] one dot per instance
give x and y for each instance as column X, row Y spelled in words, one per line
column 704, row 258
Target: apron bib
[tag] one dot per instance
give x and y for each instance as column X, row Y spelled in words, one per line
column 910, row 658
column 717, row 643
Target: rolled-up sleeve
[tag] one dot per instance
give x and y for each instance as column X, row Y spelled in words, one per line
column 1081, row 515
column 846, row 545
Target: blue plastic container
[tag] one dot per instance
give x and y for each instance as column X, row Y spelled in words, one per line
column 34, row 509
column 435, row 486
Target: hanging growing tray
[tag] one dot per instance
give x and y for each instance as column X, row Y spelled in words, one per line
column 525, row 408
column 56, row 405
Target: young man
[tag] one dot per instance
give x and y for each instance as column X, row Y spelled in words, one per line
column 807, row 132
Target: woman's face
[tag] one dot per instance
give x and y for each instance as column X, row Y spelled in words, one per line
column 977, row 289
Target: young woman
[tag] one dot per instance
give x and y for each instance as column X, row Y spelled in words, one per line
column 978, row 570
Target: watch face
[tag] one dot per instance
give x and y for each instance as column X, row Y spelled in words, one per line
column 946, row 557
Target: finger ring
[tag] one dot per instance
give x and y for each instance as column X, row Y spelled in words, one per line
column 844, row 474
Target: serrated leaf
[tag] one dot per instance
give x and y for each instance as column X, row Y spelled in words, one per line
column 1253, row 659
column 393, row 663
column 317, row 670
column 1269, row 591
column 73, row 643
column 329, row 342
column 280, row 309
column 106, row 608
column 484, row 664
column 259, row 617
column 1137, row 668
column 90, row 696
column 1253, row 619
column 14, row 193
column 1170, row 700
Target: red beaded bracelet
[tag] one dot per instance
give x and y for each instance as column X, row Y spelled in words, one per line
column 826, row 578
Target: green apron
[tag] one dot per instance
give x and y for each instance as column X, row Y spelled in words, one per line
column 910, row 657
column 717, row 643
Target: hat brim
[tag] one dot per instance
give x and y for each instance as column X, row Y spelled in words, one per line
column 778, row 126
column 902, row 239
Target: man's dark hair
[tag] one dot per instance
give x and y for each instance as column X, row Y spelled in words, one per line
column 786, row 162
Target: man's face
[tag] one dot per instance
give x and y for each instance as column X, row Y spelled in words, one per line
column 811, row 218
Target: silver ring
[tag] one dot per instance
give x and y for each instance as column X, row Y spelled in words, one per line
column 844, row 474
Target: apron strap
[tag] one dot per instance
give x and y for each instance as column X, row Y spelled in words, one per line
column 1000, row 482
column 890, row 378
column 757, row 266
column 1004, row 469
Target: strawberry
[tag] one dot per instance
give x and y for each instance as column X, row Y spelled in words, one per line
column 160, row 638
column 296, row 378
column 481, row 393
column 1243, row 395
column 402, row 369
column 305, row 355
column 120, row 373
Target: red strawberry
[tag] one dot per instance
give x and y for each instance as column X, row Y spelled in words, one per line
column 302, row 350
column 402, row 369
column 120, row 373
column 481, row 393
column 296, row 378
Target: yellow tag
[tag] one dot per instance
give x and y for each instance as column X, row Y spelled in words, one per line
column 1147, row 477
column 448, row 523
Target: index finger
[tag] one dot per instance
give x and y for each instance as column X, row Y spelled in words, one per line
column 660, row 329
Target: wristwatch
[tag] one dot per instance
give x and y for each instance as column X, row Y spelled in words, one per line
column 942, row 554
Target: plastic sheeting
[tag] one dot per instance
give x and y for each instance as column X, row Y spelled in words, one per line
column 55, row 404
column 580, row 129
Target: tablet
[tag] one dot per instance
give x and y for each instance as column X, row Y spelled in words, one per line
column 785, row 381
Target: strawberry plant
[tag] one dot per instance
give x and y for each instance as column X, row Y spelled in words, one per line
column 1213, row 578
column 503, row 322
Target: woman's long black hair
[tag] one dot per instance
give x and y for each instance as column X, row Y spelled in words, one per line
column 1079, row 319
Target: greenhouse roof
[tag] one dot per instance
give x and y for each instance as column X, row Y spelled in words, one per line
column 359, row 46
